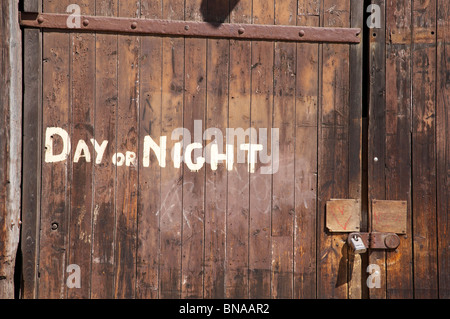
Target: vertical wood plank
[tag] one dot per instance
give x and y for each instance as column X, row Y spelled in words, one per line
column 306, row 114
column 237, row 241
column 32, row 141
column 194, row 180
column 333, row 153
column 356, row 282
column 283, row 195
column 104, row 187
column 82, row 126
column 260, row 249
column 376, row 136
column 216, row 180
column 127, row 144
column 55, row 176
column 149, row 176
column 424, row 149
column 10, row 144
column 171, row 177
column 443, row 146
column 398, row 140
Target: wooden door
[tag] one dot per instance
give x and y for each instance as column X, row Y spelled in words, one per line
column 108, row 215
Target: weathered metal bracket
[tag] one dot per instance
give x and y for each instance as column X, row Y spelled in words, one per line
column 377, row 240
column 191, row 28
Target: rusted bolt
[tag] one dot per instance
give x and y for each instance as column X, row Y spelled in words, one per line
column 186, row 27
column 86, row 22
column 241, row 30
column 134, row 25
column 301, row 33
column 54, row 226
column 40, row 19
column 392, row 241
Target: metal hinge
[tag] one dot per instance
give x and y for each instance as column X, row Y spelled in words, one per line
column 190, row 28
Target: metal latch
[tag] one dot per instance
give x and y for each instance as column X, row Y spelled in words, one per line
column 375, row 240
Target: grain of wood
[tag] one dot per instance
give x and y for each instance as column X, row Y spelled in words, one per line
column 216, row 200
column 82, row 128
column 398, row 142
column 55, row 176
column 333, row 154
column 32, row 140
column 10, row 144
column 356, row 285
column 171, row 177
column 149, row 201
column 377, row 138
column 194, row 181
column 260, row 250
column 423, row 149
column 443, row 146
column 238, row 192
column 104, row 188
column 127, row 141
column 283, row 195
column 306, row 130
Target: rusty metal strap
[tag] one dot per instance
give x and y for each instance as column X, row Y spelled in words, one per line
column 191, row 28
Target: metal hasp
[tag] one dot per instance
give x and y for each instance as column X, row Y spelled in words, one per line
column 192, row 28
column 376, row 240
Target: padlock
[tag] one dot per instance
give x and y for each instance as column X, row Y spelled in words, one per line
column 357, row 244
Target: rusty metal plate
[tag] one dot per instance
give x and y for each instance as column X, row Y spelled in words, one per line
column 343, row 215
column 192, row 28
column 389, row 216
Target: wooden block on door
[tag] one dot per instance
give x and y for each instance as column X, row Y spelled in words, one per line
column 389, row 216
column 343, row 215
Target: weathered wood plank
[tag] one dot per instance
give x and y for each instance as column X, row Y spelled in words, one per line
column 333, row 153
column 283, row 195
column 306, row 112
column 237, row 241
column 423, row 149
column 149, row 201
column 104, row 187
column 260, row 249
column 171, row 177
column 216, row 199
column 443, row 146
column 81, row 127
column 31, row 164
column 10, row 144
column 377, row 137
column 194, row 180
column 127, row 144
column 356, row 284
column 55, row 176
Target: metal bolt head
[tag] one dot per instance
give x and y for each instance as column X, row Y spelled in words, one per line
column 40, row 19
column 241, row 30
column 392, row 241
column 85, row 22
column 186, row 27
column 375, row 159
column 301, row 33
column 134, row 25
column 54, row 226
